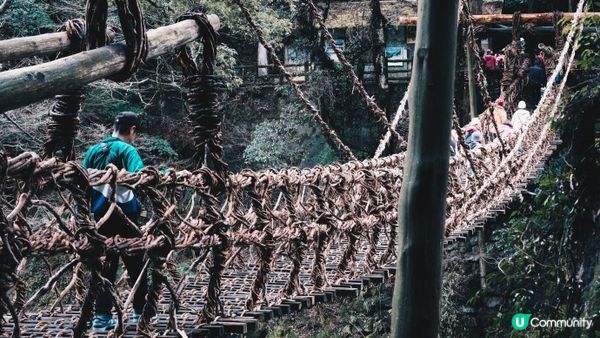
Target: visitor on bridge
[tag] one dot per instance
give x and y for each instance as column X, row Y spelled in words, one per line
column 539, row 56
column 500, row 112
column 521, row 116
column 472, row 134
column 490, row 61
column 453, row 142
column 536, row 80
column 500, row 60
column 119, row 151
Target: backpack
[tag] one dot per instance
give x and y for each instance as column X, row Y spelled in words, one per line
column 100, row 195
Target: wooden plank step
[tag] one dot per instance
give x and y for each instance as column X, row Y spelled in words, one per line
column 230, row 326
column 320, row 297
column 375, row 278
column 251, row 323
column 214, row 330
column 199, row 333
column 358, row 286
column 307, row 301
column 330, row 295
column 294, row 306
column 363, row 281
column 284, row 308
column 342, row 291
column 260, row 315
column 381, row 272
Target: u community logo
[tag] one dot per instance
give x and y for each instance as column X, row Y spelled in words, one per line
column 520, row 321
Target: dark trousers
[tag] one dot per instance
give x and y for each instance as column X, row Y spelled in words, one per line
column 134, row 264
column 534, row 94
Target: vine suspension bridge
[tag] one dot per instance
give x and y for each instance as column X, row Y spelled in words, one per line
column 265, row 242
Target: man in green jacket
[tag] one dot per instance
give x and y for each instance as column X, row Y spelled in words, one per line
column 118, row 150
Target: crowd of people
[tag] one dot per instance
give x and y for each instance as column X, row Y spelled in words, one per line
column 493, row 65
column 472, row 132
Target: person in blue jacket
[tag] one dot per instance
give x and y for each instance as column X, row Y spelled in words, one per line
column 117, row 149
column 536, row 80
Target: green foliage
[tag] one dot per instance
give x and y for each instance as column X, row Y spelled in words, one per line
column 274, row 17
column 27, row 17
column 102, row 104
column 226, row 62
column 326, row 155
column 284, row 141
column 590, row 45
column 155, row 150
column 527, row 247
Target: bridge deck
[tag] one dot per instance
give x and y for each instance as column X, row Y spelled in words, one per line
column 236, row 284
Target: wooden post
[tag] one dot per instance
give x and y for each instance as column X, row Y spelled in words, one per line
column 422, row 203
column 19, row 87
column 472, row 82
column 482, row 268
column 262, row 60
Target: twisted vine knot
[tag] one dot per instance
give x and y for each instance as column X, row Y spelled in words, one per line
column 202, row 97
column 133, row 26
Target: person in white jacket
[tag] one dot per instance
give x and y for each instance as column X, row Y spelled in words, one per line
column 521, row 116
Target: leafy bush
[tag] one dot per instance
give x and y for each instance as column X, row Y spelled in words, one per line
column 155, row 150
column 291, row 140
column 27, row 17
column 102, row 103
column 590, row 44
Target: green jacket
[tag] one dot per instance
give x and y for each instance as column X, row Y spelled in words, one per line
column 123, row 156
column 113, row 150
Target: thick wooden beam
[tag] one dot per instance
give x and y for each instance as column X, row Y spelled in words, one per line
column 20, row 48
column 19, row 87
column 505, row 19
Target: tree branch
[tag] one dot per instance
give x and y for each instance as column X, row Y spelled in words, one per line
column 4, row 6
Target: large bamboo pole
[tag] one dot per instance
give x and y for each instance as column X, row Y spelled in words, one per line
column 421, row 209
column 19, row 87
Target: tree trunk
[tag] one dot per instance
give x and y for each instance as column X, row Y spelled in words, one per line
column 421, row 209
column 378, row 36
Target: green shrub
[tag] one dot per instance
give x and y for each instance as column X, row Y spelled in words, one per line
column 27, row 17
column 155, row 150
